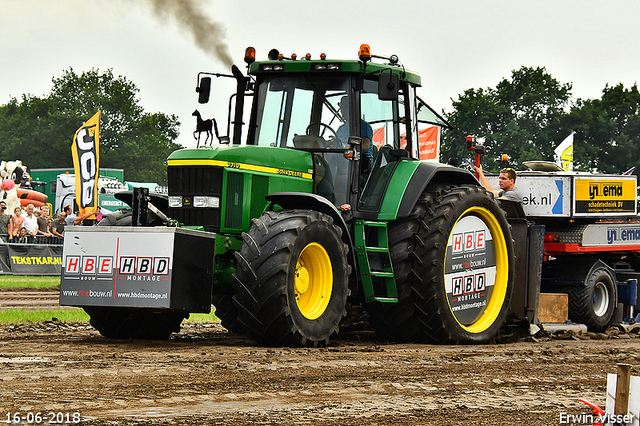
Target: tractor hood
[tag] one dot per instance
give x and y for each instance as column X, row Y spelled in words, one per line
column 282, row 161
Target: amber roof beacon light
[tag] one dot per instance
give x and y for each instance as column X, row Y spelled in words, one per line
column 365, row 53
column 250, row 55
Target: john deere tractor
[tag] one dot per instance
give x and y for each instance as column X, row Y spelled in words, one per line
column 319, row 199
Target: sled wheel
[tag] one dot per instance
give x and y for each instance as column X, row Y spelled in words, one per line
column 593, row 304
column 135, row 324
column 291, row 278
column 227, row 312
column 453, row 261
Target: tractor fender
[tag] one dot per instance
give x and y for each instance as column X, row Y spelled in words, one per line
column 428, row 173
column 303, row 200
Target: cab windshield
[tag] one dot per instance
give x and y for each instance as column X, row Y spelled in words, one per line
column 295, row 112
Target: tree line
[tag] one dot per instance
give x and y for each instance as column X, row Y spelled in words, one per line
column 39, row 130
column 525, row 116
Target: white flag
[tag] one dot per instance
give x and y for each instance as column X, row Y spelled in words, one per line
column 564, row 153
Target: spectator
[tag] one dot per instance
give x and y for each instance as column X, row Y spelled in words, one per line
column 99, row 214
column 43, row 222
column 5, row 220
column 30, row 220
column 70, row 217
column 15, row 224
column 57, row 226
column 23, row 236
column 84, row 219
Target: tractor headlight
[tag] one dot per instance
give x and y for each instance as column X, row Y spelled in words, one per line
column 202, row 201
column 175, row 201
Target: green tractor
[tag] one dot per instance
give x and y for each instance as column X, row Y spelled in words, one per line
column 313, row 212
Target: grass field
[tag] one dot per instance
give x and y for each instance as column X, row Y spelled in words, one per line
column 30, row 316
column 24, row 316
column 29, row 281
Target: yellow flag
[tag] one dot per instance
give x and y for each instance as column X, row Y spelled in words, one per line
column 86, row 165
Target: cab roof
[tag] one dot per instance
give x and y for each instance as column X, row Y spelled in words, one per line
column 330, row 66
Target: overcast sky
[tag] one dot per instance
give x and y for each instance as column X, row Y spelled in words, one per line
column 455, row 45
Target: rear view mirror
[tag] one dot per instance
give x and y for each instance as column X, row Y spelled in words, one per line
column 204, row 90
column 388, row 86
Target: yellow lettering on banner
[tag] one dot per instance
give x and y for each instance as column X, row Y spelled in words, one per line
column 35, row 260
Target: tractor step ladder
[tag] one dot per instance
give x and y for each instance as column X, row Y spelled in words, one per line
column 380, row 249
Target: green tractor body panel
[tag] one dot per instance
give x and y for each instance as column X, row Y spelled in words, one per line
column 396, row 189
column 275, row 161
column 240, row 177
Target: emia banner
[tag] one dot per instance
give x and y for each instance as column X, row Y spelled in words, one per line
column 86, row 155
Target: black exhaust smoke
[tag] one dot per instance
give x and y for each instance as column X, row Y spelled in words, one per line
column 207, row 34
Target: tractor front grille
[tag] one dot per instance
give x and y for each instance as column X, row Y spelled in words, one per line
column 187, row 181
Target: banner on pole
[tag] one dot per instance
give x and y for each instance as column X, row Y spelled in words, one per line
column 86, row 164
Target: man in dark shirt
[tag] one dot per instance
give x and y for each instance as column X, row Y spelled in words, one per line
column 43, row 222
column 57, row 226
column 4, row 220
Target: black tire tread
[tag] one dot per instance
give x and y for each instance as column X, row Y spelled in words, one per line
column 135, row 323
column 261, row 279
column 581, row 305
column 416, row 245
column 227, row 313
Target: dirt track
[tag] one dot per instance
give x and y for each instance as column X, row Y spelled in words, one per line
column 206, row 376
column 29, row 298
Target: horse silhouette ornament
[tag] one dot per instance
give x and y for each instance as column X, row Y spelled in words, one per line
column 205, row 126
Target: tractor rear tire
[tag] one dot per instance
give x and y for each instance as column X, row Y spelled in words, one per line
column 594, row 303
column 135, row 324
column 227, row 312
column 449, row 292
column 292, row 278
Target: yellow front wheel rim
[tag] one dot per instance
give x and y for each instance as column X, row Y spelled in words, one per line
column 313, row 281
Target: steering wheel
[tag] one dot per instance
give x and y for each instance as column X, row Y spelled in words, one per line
column 336, row 139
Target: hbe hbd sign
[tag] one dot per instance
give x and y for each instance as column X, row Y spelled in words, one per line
column 138, row 268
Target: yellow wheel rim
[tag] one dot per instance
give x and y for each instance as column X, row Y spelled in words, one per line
column 494, row 305
column 313, row 281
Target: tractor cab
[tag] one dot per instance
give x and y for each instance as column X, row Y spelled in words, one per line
column 355, row 117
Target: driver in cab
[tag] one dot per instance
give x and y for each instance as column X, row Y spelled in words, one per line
column 365, row 131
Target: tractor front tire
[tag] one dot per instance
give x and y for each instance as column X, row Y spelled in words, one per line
column 292, row 278
column 453, row 261
column 135, row 323
column 227, row 312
